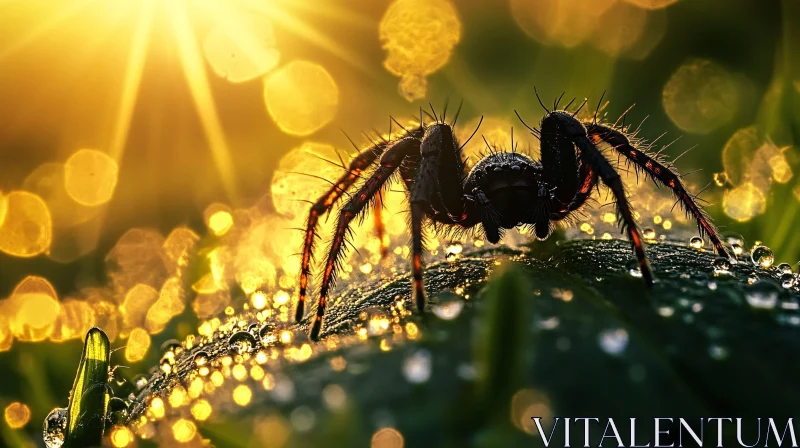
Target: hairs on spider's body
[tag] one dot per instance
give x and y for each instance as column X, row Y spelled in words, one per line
column 501, row 191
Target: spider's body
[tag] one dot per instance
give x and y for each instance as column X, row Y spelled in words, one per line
column 503, row 190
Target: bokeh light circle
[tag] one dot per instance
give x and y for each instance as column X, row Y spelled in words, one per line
column 701, row 96
column 298, row 177
column 27, row 227
column 744, row 202
column 242, row 49
column 90, row 177
column 301, row 97
column 48, row 181
column 418, row 37
column 565, row 23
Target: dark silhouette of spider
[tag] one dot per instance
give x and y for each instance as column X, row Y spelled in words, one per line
column 503, row 190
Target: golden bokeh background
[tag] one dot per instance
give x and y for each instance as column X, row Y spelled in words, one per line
column 139, row 136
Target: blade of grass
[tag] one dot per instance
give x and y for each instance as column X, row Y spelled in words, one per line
column 89, row 398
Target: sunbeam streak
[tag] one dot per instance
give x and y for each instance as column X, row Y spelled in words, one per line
column 195, row 72
column 133, row 77
column 302, row 29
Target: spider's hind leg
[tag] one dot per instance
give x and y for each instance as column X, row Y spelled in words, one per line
column 357, row 166
column 389, row 163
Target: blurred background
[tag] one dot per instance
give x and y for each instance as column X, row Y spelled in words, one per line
column 139, row 136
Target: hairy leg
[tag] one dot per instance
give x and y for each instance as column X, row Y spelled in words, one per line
column 661, row 173
column 389, row 163
column 357, row 166
column 591, row 155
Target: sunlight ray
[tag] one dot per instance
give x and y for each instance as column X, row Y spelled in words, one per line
column 44, row 27
column 195, row 72
column 133, row 77
column 305, row 31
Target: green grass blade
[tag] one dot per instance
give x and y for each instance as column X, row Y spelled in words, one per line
column 89, row 398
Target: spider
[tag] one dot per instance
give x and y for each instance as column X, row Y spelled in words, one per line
column 503, row 190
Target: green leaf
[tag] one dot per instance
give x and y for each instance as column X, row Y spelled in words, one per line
column 89, row 398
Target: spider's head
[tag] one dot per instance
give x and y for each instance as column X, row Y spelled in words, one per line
column 506, row 190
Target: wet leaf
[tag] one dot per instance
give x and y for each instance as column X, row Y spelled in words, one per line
column 551, row 330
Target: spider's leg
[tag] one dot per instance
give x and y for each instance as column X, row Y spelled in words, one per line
column 662, row 174
column 380, row 226
column 357, row 166
column 560, row 160
column 417, row 247
column 591, row 155
column 389, row 162
column 437, row 191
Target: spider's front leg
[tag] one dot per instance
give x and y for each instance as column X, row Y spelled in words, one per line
column 662, row 174
column 358, row 165
column 435, row 182
column 559, row 126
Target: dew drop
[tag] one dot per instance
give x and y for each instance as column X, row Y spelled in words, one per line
column 614, row 341
column 633, row 268
column 737, row 249
column 241, row 342
column 666, row 311
column 417, row 367
column 170, row 345
column 140, row 381
column 720, row 179
column 268, row 334
column 376, row 320
column 722, row 267
column 54, row 428
column 696, row 242
column 762, row 256
column 717, row 352
column 787, row 280
column 785, row 268
column 550, row 323
column 448, row 306
column 649, row 234
column 762, row 294
column 117, row 411
column 165, row 366
column 200, row 358
column 453, row 251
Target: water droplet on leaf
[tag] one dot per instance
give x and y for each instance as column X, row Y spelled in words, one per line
column 717, row 352
column 785, row 268
column 448, row 306
column 140, row 381
column 614, row 341
column 200, row 358
column 54, row 428
column 762, row 294
column 787, row 280
column 696, row 242
column 722, row 267
column 633, row 268
column 417, row 367
column 453, row 251
column 268, row 334
column 241, row 342
column 762, row 256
